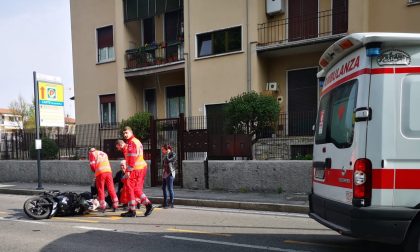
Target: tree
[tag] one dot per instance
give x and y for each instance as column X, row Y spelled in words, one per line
column 139, row 123
column 251, row 113
column 21, row 110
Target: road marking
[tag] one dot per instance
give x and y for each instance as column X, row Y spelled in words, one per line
column 18, row 220
column 105, row 217
column 314, row 244
column 6, row 185
column 73, row 219
column 94, row 228
column 241, row 211
column 232, row 244
column 196, row 232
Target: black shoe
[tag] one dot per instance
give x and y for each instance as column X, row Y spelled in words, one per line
column 130, row 213
column 114, row 209
column 165, row 206
column 149, row 209
column 172, row 205
column 102, row 210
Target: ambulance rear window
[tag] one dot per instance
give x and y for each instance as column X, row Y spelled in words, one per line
column 335, row 123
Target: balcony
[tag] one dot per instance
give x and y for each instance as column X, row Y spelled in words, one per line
column 155, row 57
column 302, row 30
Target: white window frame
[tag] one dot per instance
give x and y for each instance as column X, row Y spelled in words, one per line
column 101, row 119
column 109, row 49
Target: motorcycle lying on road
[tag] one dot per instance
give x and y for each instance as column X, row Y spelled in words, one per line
column 56, row 203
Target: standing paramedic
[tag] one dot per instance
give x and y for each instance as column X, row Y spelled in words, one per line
column 99, row 164
column 136, row 172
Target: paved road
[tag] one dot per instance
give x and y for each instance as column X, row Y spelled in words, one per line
column 178, row 229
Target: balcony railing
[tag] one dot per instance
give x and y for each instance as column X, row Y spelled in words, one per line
column 154, row 54
column 321, row 24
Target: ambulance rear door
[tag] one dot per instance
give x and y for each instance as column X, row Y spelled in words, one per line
column 340, row 132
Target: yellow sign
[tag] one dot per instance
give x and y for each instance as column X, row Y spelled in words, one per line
column 51, row 104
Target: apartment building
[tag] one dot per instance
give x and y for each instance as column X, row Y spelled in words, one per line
column 191, row 56
column 9, row 121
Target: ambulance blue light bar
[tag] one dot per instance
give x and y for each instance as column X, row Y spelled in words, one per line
column 373, row 49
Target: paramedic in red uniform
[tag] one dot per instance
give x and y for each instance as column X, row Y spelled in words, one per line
column 136, row 172
column 99, row 164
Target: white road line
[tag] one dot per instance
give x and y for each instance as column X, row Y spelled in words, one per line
column 18, row 220
column 94, row 228
column 232, row 244
column 226, row 210
column 6, row 185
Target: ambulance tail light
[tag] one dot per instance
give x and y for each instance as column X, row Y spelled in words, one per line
column 362, row 183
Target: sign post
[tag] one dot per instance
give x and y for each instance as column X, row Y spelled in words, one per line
column 49, row 110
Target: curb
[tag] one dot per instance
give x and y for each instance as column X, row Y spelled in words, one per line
column 257, row 206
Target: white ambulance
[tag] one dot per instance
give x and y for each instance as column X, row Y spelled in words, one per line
column 366, row 163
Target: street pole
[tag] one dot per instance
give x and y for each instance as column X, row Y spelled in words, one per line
column 38, row 142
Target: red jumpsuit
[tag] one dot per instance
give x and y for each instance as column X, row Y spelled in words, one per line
column 99, row 164
column 137, row 168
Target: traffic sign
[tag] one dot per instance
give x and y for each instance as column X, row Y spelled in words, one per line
column 51, row 104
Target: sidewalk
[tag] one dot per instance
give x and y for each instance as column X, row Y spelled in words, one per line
column 293, row 203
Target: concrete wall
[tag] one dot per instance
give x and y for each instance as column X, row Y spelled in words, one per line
column 271, row 176
column 259, row 176
column 56, row 171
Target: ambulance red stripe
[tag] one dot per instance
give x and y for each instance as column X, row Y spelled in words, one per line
column 381, row 179
column 385, row 70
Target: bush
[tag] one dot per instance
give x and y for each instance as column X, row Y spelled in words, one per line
column 251, row 113
column 140, row 123
column 303, row 157
column 49, row 149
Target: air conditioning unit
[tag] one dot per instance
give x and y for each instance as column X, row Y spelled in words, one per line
column 274, row 7
column 272, row 86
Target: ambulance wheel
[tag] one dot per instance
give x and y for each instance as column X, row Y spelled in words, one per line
column 412, row 241
column 37, row 208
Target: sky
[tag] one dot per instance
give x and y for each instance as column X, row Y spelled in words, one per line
column 35, row 36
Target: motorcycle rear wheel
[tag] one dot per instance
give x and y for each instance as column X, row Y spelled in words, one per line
column 37, row 208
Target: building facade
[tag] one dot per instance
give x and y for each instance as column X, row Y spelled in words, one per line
column 9, row 121
column 191, row 56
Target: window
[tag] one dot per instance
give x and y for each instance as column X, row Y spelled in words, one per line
column 219, row 42
column 149, row 36
column 105, row 44
column 173, row 33
column 410, row 117
column 175, row 101
column 335, row 121
column 150, row 101
column 108, row 109
column 148, row 30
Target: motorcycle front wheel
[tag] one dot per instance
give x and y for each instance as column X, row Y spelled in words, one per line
column 37, row 208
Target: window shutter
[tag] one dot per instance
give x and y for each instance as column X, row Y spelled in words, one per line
column 130, row 10
column 172, row 5
column 143, row 9
column 105, row 38
column 106, row 98
column 160, row 7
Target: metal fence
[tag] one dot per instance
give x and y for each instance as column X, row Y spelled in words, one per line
column 289, row 137
column 21, row 144
column 323, row 23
